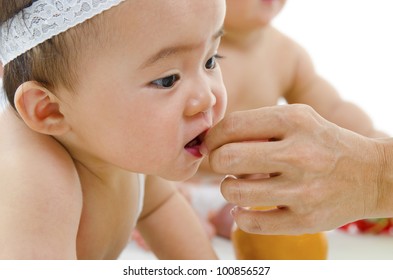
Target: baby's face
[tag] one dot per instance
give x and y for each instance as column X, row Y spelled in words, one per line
column 151, row 89
column 251, row 13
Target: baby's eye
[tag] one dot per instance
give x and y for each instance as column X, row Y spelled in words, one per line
column 166, row 82
column 212, row 62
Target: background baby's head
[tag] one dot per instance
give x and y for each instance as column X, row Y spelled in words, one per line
column 248, row 14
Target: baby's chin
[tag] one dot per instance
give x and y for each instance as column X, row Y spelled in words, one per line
column 182, row 175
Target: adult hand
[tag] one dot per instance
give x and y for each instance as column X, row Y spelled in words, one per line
column 321, row 176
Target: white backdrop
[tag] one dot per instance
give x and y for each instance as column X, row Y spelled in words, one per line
column 351, row 44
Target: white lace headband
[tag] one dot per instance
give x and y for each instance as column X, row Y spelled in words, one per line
column 43, row 20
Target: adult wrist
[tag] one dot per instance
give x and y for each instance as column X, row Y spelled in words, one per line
column 384, row 169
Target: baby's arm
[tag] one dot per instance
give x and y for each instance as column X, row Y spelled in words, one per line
column 170, row 226
column 40, row 200
column 310, row 88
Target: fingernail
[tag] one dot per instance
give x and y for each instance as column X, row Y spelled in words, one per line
column 229, row 176
column 234, row 210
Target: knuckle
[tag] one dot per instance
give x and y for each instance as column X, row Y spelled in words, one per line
column 298, row 114
column 292, row 116
column 251, row 223
column 232, row 190
column 301, row 114
column 223, row 159
column 255, row 225
column 306, row 216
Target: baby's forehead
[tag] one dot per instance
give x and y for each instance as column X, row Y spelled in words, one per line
column 163, row 22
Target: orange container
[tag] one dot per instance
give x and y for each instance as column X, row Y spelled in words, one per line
column 279, row 247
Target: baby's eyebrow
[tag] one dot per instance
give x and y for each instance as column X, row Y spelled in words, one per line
column 169, row 51
column 219, row 33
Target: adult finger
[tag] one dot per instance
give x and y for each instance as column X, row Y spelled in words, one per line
column 249, row 158
column 259, row 124
column 258, row 192
column 272, row 222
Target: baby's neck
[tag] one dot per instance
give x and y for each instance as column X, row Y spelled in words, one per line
column 90, row 166
column 108, row 176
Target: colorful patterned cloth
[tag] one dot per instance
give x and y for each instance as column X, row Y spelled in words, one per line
column 370, row 226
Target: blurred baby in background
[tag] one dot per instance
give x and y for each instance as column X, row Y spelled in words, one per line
column 260, row 66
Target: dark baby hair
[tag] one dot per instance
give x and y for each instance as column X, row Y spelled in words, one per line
column 51, row 63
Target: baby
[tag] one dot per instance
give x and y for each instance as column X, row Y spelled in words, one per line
column 100, row 92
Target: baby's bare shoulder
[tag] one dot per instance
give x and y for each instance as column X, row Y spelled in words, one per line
column 284, row 45
column 40, row 193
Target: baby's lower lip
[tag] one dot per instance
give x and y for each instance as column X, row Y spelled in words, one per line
column 194, row 151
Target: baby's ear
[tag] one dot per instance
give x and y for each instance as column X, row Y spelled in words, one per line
column 39, row 108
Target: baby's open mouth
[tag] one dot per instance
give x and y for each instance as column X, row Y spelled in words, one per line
column 194, row 145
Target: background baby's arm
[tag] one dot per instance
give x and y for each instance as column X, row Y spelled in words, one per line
column 170, row 226
column 310, row 88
